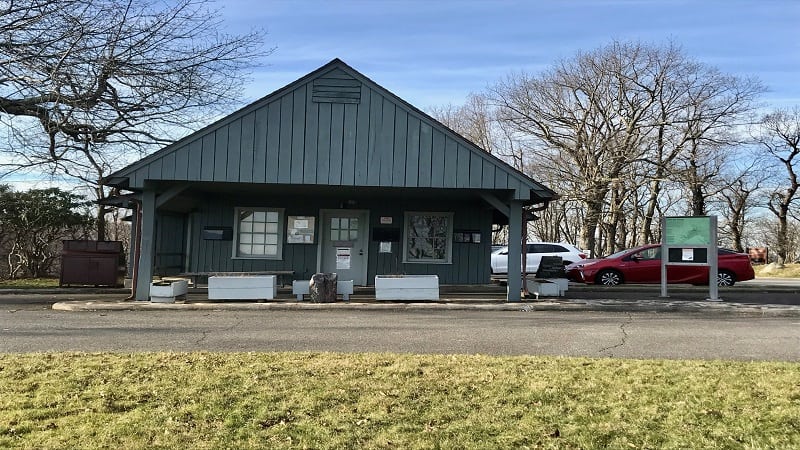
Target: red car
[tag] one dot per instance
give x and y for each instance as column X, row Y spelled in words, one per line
column 643, row 265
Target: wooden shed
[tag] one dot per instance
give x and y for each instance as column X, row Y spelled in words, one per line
column 331, row 173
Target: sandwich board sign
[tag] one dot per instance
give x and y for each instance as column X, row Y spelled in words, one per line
column 690, row 241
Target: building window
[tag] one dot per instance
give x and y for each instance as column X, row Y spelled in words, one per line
column 258, row 233
column 428, row 237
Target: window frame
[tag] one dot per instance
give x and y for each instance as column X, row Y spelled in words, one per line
column 448, row 259
column 236, row 236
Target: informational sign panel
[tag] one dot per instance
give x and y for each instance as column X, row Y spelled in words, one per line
column 690, row 241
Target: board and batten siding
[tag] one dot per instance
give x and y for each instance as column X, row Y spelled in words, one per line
column 171, row 244
column 470, row 262
column 217, row 255
column 366, row 140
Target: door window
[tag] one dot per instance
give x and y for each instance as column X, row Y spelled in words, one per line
column 344, row 228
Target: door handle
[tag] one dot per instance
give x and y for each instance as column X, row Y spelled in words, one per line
column 361, row 252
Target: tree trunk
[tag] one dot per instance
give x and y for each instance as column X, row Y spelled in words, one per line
column 698, row 200
column 646, row 233
column 594, row 211
column 738, row 218
column 101, row 222
column 612, row 228
column 783, row 236
column 737, row 228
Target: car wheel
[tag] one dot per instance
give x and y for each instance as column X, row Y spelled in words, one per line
column 725, row 278
column 609, row 278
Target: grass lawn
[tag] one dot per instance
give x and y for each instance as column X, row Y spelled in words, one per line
column 329, row 400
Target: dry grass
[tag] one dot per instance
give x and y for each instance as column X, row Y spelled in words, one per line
column 774, row 271
column 326, row 400
column 29, row 283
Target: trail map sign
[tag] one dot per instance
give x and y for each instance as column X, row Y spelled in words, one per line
column 694, row 230
column 690, row 241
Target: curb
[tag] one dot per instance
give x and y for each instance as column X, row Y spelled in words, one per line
column 604, row 305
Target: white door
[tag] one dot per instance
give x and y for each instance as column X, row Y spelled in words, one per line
column 344, row 244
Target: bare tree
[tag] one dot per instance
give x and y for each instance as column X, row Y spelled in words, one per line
column 473, row 120
column 595, row 113
column 88, row 85
column 780, row 136
column 625, row 119
column 716, row 105
column 738, row 196
column 768, row 228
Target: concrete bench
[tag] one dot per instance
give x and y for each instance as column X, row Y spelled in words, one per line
column 406, row 287
column 281, row 274
column 547, row 287
column 167, row 291
column 343, row 288
column 550, row 279
column 255, row 287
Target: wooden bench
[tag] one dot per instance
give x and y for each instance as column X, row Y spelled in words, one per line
column 281, row 274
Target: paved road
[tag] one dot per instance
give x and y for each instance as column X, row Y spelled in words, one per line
column 592, row 334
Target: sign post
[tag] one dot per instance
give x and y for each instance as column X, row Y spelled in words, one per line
column 690, row 241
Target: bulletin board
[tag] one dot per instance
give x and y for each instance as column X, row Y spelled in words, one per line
column 300, row 230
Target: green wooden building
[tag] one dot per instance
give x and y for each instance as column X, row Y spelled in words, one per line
column 331, row 173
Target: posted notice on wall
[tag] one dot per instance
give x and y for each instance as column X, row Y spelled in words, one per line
column 342, row 258
column 687, row 254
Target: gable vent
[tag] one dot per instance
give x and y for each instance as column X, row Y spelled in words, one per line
column 336, row 87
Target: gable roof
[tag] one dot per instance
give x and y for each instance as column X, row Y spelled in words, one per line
column 333, row 126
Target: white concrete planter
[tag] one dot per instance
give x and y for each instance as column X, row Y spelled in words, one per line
column 249, row 287
column 166, row 293
column 550, row 287
column 406, row 287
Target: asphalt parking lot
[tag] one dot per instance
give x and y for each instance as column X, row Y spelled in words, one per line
column 754, row 322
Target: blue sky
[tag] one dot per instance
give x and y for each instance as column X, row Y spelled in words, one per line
column 433, row 52
column 436, row 52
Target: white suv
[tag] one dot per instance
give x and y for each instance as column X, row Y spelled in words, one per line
column 569, row 253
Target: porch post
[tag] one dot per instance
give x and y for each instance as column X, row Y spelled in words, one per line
column 144, row 275
column 514, row 280
column 133, row 242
